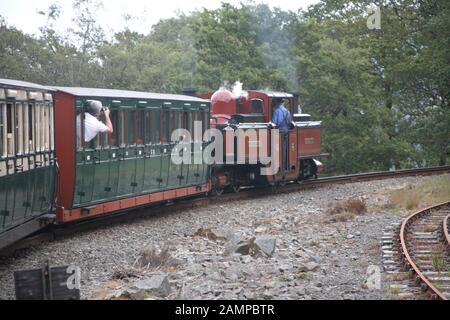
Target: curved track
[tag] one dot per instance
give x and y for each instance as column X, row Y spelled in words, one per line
column 425, row 245
column 446, row 228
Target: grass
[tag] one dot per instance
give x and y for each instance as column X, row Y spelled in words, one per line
column 412, row 197
column 301, row 276
column 342, row 217
column 356, row 206
column 394, row 291
column 347, row 210
column 153, row 258
column 438, row 259
column 428, row 228
column 401, row 276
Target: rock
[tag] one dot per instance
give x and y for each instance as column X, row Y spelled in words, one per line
column 350, row 236
column 157, row 285
column 285, row 267
column 265, row 245
column 237, row 244
column 246, row 259
column 261, row 229
column 267, row 295
column 119, row 294
column 309, row 266
column 211, row 234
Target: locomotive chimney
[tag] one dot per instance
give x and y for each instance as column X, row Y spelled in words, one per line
column 190, row 92
column 297, row 103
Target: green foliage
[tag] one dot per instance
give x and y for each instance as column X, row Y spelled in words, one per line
column 383, row 95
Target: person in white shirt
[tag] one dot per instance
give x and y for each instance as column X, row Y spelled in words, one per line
column 92, row 125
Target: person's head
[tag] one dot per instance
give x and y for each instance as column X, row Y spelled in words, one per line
column 93, row 107
column 277, row 102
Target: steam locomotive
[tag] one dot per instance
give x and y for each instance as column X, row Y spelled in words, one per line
column 49, row 175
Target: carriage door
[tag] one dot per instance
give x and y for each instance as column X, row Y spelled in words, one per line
column 196, row 169
column 163, row 181
column 127, row 155
column 204, row 116
column 86, row 157
column 140, row 146
column 152, row 154
column 114, row 150
column 175, row 173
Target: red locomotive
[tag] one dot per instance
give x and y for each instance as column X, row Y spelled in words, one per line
column 252, row 111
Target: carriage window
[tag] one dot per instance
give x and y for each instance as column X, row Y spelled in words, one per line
column 140, row 127
column 172, row 124
column 26, row 129
column 187, row 123
column 165, row 126
column 2, row 130
column 181, row 121
column 31, row 122
column 191, row 123
column 149, row 127
column 122, row 128
column 52, row 127
column 156, row 129
column 257, row 106
column 113, row 137
column 46, row 129
column 80, row 130
column 42, row 127
column 19, row 128
column 131, row 124
column 205, row 121
column 10, row 130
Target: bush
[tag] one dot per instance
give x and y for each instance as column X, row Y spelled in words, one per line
column 355, row 206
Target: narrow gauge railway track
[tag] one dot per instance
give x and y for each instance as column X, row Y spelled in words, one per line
column 53, row 232
column 425, row 248
column 446, row 228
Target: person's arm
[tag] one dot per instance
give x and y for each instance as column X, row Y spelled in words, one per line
column 108, row 121
column 276, row 117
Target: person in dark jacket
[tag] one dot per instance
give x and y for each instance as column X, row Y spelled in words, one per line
column 282, row 119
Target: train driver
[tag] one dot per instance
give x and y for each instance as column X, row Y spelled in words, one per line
column 282, row 119
column 92, row 124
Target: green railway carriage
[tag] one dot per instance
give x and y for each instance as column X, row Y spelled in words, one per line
column 133, row 165
column 27, row 168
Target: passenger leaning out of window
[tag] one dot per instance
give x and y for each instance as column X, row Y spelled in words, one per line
column 92, row 124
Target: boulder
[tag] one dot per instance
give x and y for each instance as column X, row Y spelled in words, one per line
column 238, row 244
column 157, row 285
column 264, row 245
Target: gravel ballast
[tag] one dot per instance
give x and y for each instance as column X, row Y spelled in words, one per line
column 314, row 257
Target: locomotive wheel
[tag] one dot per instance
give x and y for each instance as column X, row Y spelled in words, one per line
column 216, row 189
column 236, row 188
column 283, row 183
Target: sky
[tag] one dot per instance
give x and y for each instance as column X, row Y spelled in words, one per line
column 22, row 14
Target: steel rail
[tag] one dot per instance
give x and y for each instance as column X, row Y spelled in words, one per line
column 446, row 229
column 406, row 254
